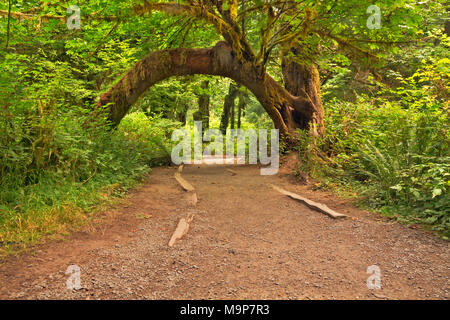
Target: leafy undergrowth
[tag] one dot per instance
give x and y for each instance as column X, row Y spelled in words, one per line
column 53, row 190
column 392, row 154
column 363, row 197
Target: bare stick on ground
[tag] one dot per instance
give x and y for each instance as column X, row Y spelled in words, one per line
column 192, row 195
column 183, row 225
column 182, row 229
column 232, row 172
column 311, row 204
column 184, row 184
column 192, row 198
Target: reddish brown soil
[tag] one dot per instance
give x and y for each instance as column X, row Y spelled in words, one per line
column 246, row 241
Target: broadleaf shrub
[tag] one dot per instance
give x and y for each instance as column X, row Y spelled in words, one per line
column 391, row 150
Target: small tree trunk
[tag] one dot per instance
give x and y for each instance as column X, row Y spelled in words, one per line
column 241, row 106
column 203, row 107
column 239, row 114
column 232, row 116
column 182, row 114
column 228, row 106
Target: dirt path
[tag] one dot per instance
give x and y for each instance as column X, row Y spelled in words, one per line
column 246, row 241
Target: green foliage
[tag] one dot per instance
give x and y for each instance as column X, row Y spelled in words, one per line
column 393, row 151
column 82, row 161
column 57, row 162
column 152, row 134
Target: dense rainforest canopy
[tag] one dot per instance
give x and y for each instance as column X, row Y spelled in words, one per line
column 359, row 90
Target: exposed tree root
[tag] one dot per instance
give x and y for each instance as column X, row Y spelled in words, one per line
column 183, row 183
column 181, row 230
column 183, row 225
column 311, row 204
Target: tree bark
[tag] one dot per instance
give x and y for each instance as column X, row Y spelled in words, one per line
column 243, row 97
column 239, row 115
column 203, row 107
column 303, row 80
column 218, row 60
column 232, row 115
column 228, row 105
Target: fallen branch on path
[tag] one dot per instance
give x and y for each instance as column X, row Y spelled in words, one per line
column 232, row 171
column 183, row 225
column 193, row 198
column 182, row 229
column 184, row 184
column 311, row 204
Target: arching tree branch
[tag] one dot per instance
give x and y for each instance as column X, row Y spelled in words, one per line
column 218, row 61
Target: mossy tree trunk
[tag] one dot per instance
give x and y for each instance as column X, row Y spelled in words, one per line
column 303, row 80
